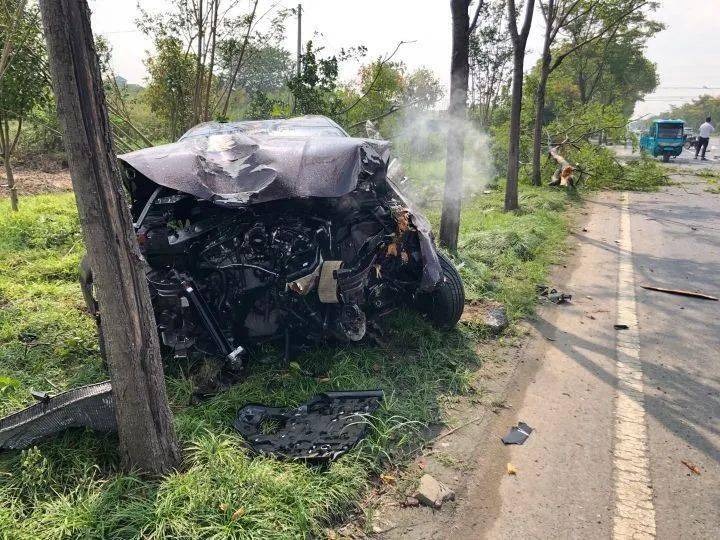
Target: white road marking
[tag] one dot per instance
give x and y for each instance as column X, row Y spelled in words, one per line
column 634, row 513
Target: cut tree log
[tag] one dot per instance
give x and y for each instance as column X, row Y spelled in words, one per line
column 145, row 430
column 564, row 174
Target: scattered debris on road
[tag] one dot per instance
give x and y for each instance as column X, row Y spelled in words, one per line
column 517, row 434
column 680, row 292
column 433, row 493
column 694, row 468
column 620, row 326
column 547, row 293
column 325, row 428
column 511, row 470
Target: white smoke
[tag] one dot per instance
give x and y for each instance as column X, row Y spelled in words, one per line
column 420, row 142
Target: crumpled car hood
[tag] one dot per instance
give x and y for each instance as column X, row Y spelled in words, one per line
column 235, row 168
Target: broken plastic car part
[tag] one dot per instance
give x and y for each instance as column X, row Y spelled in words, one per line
column 517, row 434
column 90, row 406
column 323, row 429
column 553, row 295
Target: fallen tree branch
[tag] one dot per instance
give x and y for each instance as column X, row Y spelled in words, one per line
column 680, row 292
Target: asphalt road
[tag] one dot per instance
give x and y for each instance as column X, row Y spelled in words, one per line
column 676, row 240
column 568, row 485
column 624, row 419
column 626, row 440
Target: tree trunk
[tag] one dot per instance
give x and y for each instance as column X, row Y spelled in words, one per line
column 211, row 68
column 6, row 146
column 511, row 189
column 199, row 72
column 147, row 439
column 457, row 115
column 240, row 60
column 539, row 109
column 11, row 183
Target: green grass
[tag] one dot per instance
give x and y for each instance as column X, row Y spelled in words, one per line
column 70, row 487
column 713, row 186
column 712, row 174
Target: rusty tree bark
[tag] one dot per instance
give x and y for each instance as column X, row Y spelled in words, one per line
column 147, row 438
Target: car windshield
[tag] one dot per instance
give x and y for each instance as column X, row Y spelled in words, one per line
column 300, row 127
column 670, row 131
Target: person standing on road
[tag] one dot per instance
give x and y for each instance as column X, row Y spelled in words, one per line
column 704, row 137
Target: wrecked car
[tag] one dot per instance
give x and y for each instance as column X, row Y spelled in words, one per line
column 285, row 230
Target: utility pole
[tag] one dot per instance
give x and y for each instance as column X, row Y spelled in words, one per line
column 132, row 348
column 299, row 39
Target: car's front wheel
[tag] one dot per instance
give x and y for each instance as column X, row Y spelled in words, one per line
column 445, row 305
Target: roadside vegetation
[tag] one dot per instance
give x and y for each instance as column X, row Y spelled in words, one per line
column 73, row 486
column 70, row 487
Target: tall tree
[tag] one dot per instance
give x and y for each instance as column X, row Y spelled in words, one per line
column 170, row 89
column 611, row 68
column 24, row 86
column 556, row 14
column 220, row 36
column 519, row 41
column 243, row 47
column 587, row 22
column 145, row 430
column 200, row 26
column 314, row 89
column 490, row 61
column 11, row 17
column 462, row 28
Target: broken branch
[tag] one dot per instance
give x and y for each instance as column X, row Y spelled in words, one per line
column 680, row 292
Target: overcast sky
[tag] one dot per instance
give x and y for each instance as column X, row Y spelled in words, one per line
column 687, row 52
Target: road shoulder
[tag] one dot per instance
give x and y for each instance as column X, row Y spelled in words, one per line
column 536, row 372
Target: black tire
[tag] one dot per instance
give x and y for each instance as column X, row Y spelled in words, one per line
column 666, row 158
column 445, row 305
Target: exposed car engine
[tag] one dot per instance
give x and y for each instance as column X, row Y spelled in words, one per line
column 251, row 235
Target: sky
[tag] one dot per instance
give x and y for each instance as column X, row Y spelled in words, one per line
column 687, row 53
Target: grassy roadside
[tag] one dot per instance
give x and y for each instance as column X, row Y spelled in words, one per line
column 70, row 487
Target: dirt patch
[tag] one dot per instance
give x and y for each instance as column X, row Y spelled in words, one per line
column 36, row 182
column 468, row 452
column 477, row 310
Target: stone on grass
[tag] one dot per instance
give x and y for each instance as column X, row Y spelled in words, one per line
column 495, row 319
column 433, row 493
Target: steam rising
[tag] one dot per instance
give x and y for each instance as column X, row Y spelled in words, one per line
column 420, row 141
